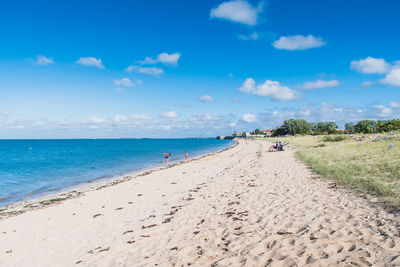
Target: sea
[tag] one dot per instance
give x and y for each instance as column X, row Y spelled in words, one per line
column 31, row 168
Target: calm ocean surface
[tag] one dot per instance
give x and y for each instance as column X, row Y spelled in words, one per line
column 29, row 168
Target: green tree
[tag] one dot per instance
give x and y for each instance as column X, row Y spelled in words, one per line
column 293, row 127
column 325, row 128
column 387, row 126
column 257, row 131
column 350, row 127
column 365, row 126
column 279, row 131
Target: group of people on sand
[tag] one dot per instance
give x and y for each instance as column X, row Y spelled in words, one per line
column 168, row 155
column 277, row 147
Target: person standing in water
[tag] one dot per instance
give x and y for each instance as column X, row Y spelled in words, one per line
column 186, row 155
column 166, row 157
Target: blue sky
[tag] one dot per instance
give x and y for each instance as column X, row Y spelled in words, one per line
column 92, row 69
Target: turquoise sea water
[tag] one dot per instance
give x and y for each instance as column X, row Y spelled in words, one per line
column 29, row 168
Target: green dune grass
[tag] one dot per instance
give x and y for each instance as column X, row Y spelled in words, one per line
column 367, row 165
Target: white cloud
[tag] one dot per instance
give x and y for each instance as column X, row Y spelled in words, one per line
column 370, row 65
column 169, row 59
column 367, row 83
column 124, row 82
column 320, row 84
column 96, row 120
column 42, row 60
column 130, row 69
column 169, row 114
column 392, row 77
column 272, row 89
column 249, row 118
column 275, row 90
column 120, row 118
column 338, row 109
column 202, row 118
column 384, row 111
column 90, row 61
column 207, row 98
column 130, row 120
column 394, row 104
column 304, row 112
column 147, row 60
column 248, row 86
column 275, row 113
column 164, row 58
column 298, row 42
column 238, row 11
column 141, row 117
column 151, row 71
column 253, row 36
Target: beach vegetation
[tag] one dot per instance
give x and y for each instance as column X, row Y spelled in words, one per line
column 370, row 164
column 336, row 138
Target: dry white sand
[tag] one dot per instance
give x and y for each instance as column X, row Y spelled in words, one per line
column 240, row 207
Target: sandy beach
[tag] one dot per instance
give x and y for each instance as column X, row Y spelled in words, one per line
column 240, row 207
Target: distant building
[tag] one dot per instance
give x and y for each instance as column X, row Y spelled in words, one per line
column 267, row 132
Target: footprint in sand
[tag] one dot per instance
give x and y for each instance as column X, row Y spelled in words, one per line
column 127, row 231
column 98, row 249
column 167, row 220
column 149, row 226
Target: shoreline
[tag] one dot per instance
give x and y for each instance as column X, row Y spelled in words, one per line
column 57, row 195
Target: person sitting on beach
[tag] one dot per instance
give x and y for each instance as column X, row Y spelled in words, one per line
column 280, row 146
column 166, row 157
column 273, row 147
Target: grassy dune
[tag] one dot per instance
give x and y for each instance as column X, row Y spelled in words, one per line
column 367, row 163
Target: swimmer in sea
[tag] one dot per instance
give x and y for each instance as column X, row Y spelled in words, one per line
column 166, row 157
